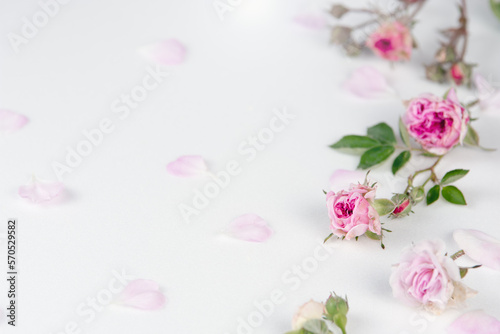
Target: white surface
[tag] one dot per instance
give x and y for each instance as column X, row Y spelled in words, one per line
column 122, row 212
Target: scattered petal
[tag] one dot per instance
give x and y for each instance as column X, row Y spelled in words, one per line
column 487, row 95
column 40, row 191
column 143, row 294
column 11, row 121
column 452, row 96
column 168, row 52
column 342, row 179
column 188, row 166
column 249, row 227
column 311, row 21
column 479, row 246
column 475, row 322
column 368, row 83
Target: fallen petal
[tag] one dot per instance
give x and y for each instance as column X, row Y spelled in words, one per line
column 341, row 179
column 168, row 52
column 143, row 294
column 311, row 21
column 479, row 246
column 249, row 227
column 368, row 83
column 40, row 191
column 11, row 121
column 475, row 322
column 187, row 166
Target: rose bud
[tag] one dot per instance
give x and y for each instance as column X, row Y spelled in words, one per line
column 308, row 311
column 435, row 72
column 403, row 207
column 461, row 73
column 391, row 41
column 336, row 309
column 340, row 35
column 445, row 54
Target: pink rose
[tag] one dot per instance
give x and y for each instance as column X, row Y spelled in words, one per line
column 436, row 124
column 308, row 311
column 392, row 41
column 426, row 276
column 351, row 213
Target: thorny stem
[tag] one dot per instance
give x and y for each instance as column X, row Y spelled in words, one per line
column 428, row 169
column 463, row 28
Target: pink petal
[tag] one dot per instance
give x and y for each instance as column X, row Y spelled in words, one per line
column 488, row 96
column 143, row 294
column 479, row 246
column 250, row 227
column 475, row 322
column 168, row 52
column 40, row 191
column 452, row 96
column 368, row 83
column 187, row 166
column 311, row 21
column 11, row 121
column 342, row 179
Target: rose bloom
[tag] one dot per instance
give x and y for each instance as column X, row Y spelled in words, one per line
column 436, row 124
column 351, row 213
column 425, row 276
column 308, row 311
column 392, row 41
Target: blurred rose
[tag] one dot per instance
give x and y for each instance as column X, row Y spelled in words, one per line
column 392, row 41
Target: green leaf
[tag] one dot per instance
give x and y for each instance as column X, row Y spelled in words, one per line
column 373, row 236
column 453, row 195
column 353, row 141
column 403, row 133
column 433, row 194
column 453, row 175
column 463, row 272
column 384, row 206
column 495, row 7
column 375, row 156
column 316, row 326
column 417, row 194
column 400, row 161
column 429, row 155
column 382, row 133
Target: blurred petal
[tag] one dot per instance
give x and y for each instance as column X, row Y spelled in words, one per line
column 11, row 121
column 143, row 294
column 475, row 322
column 368, row 83
column 168, row 52
column 479, row 246
column 249, row 227
column 342, row 179
column 452, row 96
column 187, row 166
column 488, row 96
column 40, row 191
column 311, row 21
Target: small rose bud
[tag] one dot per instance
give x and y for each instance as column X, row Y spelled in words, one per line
column 336, row 305
column 308, row 311
column 340, row 35
column 461, row 73
column 417, row 194
column 435, row 73
column 338, row 11
column 402, row 209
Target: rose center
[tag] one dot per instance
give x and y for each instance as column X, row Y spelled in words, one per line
column 345, row 209
column 384, row 44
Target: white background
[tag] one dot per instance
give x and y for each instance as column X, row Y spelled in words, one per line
column 121, row 212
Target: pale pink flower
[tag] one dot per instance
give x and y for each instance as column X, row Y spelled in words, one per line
column 427, row 277
column 351, row 213
column 435, row 123
column 391, row 41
